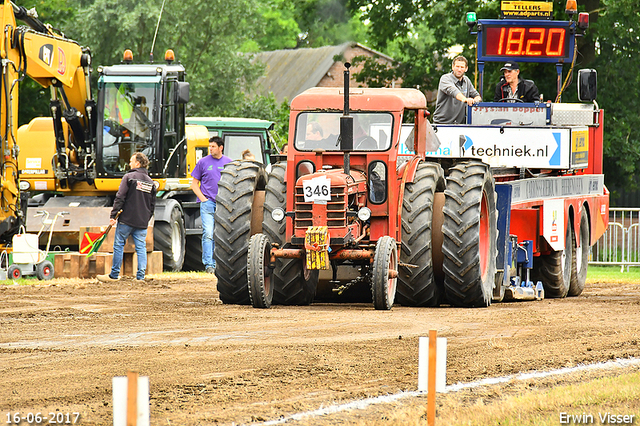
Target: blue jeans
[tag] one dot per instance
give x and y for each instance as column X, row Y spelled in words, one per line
column 139, row 238
column 207, row 211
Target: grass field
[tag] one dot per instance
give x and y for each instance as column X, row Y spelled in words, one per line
column 612, row 274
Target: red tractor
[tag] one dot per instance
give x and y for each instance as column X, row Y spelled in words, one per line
column 346, row 198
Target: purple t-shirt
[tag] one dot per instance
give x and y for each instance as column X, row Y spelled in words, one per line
column 207, row 171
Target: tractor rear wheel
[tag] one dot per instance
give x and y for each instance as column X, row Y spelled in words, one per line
column 580, row 257
column 383, row 284
column 470, row 233
column 258, row 272
column 293, row 284
column 169, row 238
column 416, row 284
column 232, row 230
column 193, row 255
column 554, row 269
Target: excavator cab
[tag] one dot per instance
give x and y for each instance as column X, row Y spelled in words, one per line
column 142, row 110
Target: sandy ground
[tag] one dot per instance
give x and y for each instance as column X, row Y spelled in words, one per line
column 208, row 363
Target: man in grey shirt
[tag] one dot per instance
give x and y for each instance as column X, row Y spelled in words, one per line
column 455, row 92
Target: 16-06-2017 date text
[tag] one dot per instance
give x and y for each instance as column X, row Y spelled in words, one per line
column 51, row 418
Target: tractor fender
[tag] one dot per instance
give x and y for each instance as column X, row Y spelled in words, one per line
column 406, row 173
column 162, row 212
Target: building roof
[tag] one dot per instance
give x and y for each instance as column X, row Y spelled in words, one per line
column 290, row 72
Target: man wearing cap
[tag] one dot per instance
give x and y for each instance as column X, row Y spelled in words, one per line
column 511, row 87
column 455, row 92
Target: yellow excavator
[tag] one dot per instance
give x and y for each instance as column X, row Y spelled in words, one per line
column 74, row 160
column 54, row 62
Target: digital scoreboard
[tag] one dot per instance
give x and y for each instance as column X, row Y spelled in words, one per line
column 526, row 41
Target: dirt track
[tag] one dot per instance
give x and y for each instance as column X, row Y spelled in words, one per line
column 208, row 363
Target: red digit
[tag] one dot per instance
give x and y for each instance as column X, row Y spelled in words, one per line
column 515, row 38
column 559, row 50
column 501, row 40
column 534, row 43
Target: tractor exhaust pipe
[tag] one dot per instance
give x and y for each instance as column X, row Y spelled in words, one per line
column 346, row 124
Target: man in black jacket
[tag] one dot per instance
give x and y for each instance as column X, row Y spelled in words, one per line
column 512, row 88
column 136, row 201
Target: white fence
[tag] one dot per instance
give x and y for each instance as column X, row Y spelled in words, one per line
column 620, row 244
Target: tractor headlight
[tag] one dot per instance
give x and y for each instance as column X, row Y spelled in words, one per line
column 24, row 185
column 277, row 214
column 364, row 214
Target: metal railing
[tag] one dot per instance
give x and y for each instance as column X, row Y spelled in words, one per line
column 620, row 244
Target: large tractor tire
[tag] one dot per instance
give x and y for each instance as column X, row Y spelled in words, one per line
column 554, row 269
column 193, row 255
column 232, row 231
column 292, row 283
column 470, row 233
column 580, row 257
column 416, row 284
column 169, row 238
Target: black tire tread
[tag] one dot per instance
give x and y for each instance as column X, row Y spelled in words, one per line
column 289, row 284
column 549, row 269
column 162, row 235
column 232, row 229
column 463, row 282
column 579, row 277
column 382, row 299
column 416, row 285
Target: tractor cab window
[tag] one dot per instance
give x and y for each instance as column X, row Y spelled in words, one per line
column 320, row 130
column 126, row 122
column 235, row 145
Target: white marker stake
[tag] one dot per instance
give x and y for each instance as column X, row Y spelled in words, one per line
column 122, row 414
column 441, row 364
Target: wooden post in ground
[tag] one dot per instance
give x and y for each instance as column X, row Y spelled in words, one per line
column 132, row 398
column 431, row 387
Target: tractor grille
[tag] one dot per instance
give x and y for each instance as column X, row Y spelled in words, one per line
column 336, row 209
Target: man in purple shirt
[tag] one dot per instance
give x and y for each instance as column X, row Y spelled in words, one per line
column 206, row 175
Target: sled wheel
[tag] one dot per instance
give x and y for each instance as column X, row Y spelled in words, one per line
column 385, row 273
column 580, row 257
column 258, row 272
column 554, row 269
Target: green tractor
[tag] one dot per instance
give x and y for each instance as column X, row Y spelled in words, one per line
column 243, row 181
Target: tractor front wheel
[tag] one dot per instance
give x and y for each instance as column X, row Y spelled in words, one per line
column 385, row 273
column 258, row 272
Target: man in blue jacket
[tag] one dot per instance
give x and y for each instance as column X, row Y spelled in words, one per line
column 136, row 201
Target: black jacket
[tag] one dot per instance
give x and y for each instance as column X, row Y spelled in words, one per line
column 527, row 90
column 136, row 198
